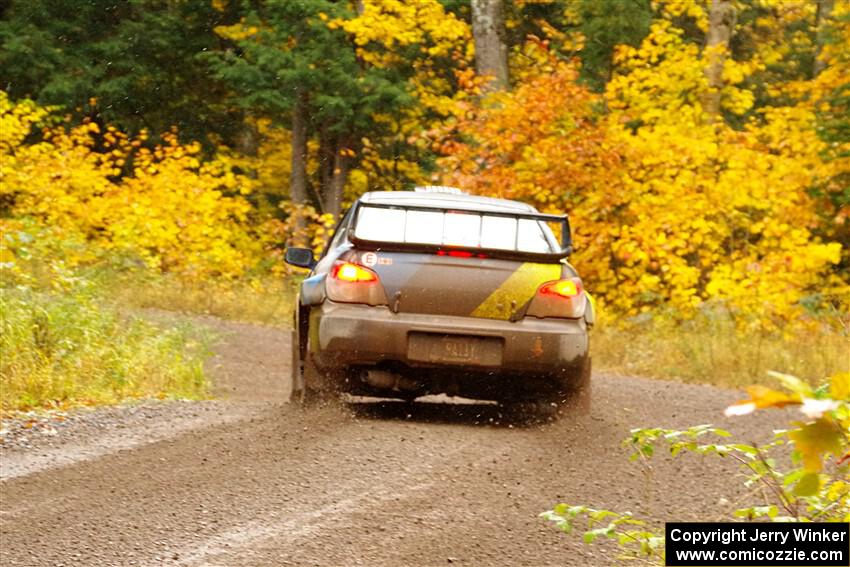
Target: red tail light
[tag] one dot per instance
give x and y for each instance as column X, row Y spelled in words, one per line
column 561, row 298
column 563, row 288
column 352, row 283
column 460, row 254
column 348, row 272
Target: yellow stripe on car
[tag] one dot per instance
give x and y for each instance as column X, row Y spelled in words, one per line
column 516, row 290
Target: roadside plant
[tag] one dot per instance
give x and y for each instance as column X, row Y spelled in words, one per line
column 814, row 487
column 63, row 344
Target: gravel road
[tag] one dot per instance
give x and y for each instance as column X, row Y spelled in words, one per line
column 252, row 480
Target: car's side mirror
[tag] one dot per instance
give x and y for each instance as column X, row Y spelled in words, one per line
column 301, row 257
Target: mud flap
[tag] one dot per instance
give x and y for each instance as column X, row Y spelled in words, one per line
column 296, row 374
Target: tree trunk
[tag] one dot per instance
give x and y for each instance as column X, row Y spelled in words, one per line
column 822, row 21
column 248, row 138
column 327, row 155
column 298, row 177
column 334, row 191
column 247, row 142
column 721, row 24
column 491, row 53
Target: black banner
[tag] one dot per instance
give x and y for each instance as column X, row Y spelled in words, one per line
column 757, row 544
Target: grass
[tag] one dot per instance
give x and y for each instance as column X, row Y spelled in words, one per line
column 268, row 300
column 65, row 342
column 66, row 348
column 711, row 351
column 70, row 336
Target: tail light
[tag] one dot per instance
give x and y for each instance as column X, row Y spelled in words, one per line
column 348, row 272
column 352, row 283
column 559, row 298
column 460, row 254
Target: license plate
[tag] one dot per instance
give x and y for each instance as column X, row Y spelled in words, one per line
column 455, row 349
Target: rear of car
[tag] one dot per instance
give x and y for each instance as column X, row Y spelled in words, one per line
column 431, row 292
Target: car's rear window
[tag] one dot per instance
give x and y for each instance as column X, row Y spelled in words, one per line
column 470, row 229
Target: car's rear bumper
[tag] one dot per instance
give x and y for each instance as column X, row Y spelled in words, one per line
column 345, row 335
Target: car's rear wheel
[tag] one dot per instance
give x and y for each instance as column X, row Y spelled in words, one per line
column 566, row 393
column 307, row 383
column 313, row 392
column 296, row 376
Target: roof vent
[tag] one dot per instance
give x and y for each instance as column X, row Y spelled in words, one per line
column 439, row 189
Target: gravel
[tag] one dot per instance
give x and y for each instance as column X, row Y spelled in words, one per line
column 252, row 480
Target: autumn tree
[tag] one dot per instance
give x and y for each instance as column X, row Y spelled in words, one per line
column 431, row 47
column 822, row 23
column 139, row 60
column 287, row 61
column 832, row 100
column 174, row 211
column 670, row 210
column 491, row 51
column 721, row 23
column 605, row 24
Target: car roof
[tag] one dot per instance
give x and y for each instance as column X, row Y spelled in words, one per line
column 448, row 200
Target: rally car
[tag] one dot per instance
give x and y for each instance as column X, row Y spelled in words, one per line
column 435, row 291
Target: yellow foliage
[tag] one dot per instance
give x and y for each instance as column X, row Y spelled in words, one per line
column 396, row 26
column 712, row 213
column 667, row 210
column 238, row 31
column 695, row 9
column 823, row 433
column 269, row 170
column 304, row 226
column 664, row 77
column 175, row 210
column 393, row 23
column 274, row 158
column 708, row 216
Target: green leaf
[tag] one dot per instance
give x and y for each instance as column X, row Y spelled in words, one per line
column 793, row 477
column 647, row 450
column 747, row 449
column 808, row 485
column 792, row 383
column 600, row 515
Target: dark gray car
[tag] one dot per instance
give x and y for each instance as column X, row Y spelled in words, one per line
column 434, row 291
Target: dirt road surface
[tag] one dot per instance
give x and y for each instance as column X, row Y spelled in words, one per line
column 252, row 480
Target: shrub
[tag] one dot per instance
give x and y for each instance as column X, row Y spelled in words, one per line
column 814, row 488
column 709, row 348
column 62, row 343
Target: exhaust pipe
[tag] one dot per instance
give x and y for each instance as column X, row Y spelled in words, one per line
column 388, row 380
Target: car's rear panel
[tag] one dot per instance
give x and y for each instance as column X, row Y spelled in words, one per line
column 476, row 357
column 470, row 286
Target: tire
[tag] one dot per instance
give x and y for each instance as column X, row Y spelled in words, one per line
column 296, row 375
column 306, row 381
column 315, row 390
column 310, row 386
